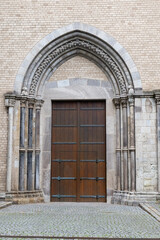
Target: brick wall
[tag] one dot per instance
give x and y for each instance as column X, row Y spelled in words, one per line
column 134, row 24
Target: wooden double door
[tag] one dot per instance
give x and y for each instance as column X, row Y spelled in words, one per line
column 78, row 168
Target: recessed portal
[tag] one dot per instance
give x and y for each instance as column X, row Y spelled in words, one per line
column 78, row 171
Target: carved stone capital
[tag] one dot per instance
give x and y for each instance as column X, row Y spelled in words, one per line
column 131, row 101
column 23, row 102
column 10, row 100
column 116, row 102
column 31, row 103
column 124, row 102
column 157, row 96
column 39, row 104
column 158, row 101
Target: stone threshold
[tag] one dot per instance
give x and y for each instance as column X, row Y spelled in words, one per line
column 151, row 210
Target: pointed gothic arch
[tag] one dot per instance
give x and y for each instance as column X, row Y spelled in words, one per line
column 37, row 68
column 77, row 39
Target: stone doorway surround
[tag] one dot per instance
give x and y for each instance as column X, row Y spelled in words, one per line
column 29, row 110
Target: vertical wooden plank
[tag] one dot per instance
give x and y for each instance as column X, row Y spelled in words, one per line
column 92, row 146
column 64, row 151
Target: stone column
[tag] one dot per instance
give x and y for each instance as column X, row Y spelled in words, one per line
column 118, row 144
column 22, row 145
column 157, row 97
column 37, row 144
column 132, row 144
column 125, row 143
column 9, row 102
column 30, row 157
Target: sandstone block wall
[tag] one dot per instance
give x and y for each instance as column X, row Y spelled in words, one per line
column 146, row 144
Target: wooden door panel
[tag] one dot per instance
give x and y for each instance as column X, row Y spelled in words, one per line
column 65, row 134
column 68, row 118
column 88, row 118
column 88, row 169
column 100, row 186
column 87, row 187
column 66, row 169
column 68, row 187
column 92, row 134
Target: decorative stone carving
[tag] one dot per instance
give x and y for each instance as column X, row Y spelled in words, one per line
column 10, row 102
column 10, row 99
column 24, row 91
column 116, row 102
column 23, row 101
column 124, row 102
column 38, row 104
column 130, row 90
column 31, row 103
column 71, row 45
column 157, row 97
column 158, row 101
column 131, row 101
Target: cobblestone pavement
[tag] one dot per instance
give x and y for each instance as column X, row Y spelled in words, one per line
column 78, row 219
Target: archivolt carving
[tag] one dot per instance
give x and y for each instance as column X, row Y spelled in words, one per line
column 74, row 44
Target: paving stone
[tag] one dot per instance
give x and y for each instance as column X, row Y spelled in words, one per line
column 78, row 219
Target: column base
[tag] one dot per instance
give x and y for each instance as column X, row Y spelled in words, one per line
column 134, row 198
column 23, row 197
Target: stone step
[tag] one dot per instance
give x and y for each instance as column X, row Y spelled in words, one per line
column 151, row 210
column 4, row 204
column 2, row 197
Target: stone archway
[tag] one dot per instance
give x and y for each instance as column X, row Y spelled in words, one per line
column 27, row 99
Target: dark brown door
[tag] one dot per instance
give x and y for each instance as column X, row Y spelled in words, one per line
column 78, row 171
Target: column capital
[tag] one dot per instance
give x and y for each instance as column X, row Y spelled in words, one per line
column 116, row 102
column 38, row 104
column 157, row 96
column 131, row 101
column 10, row 100
column 23, row 101
column 124, row 101
column 31, row 102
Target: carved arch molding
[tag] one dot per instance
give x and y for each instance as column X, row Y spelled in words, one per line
column 39, row 65
column 81, row 46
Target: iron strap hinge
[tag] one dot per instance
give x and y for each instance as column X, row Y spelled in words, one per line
column 89, row 160
column 63, row 196
column 92, row 178
column 66, row 160
column 92, row 196
column 63, row 178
